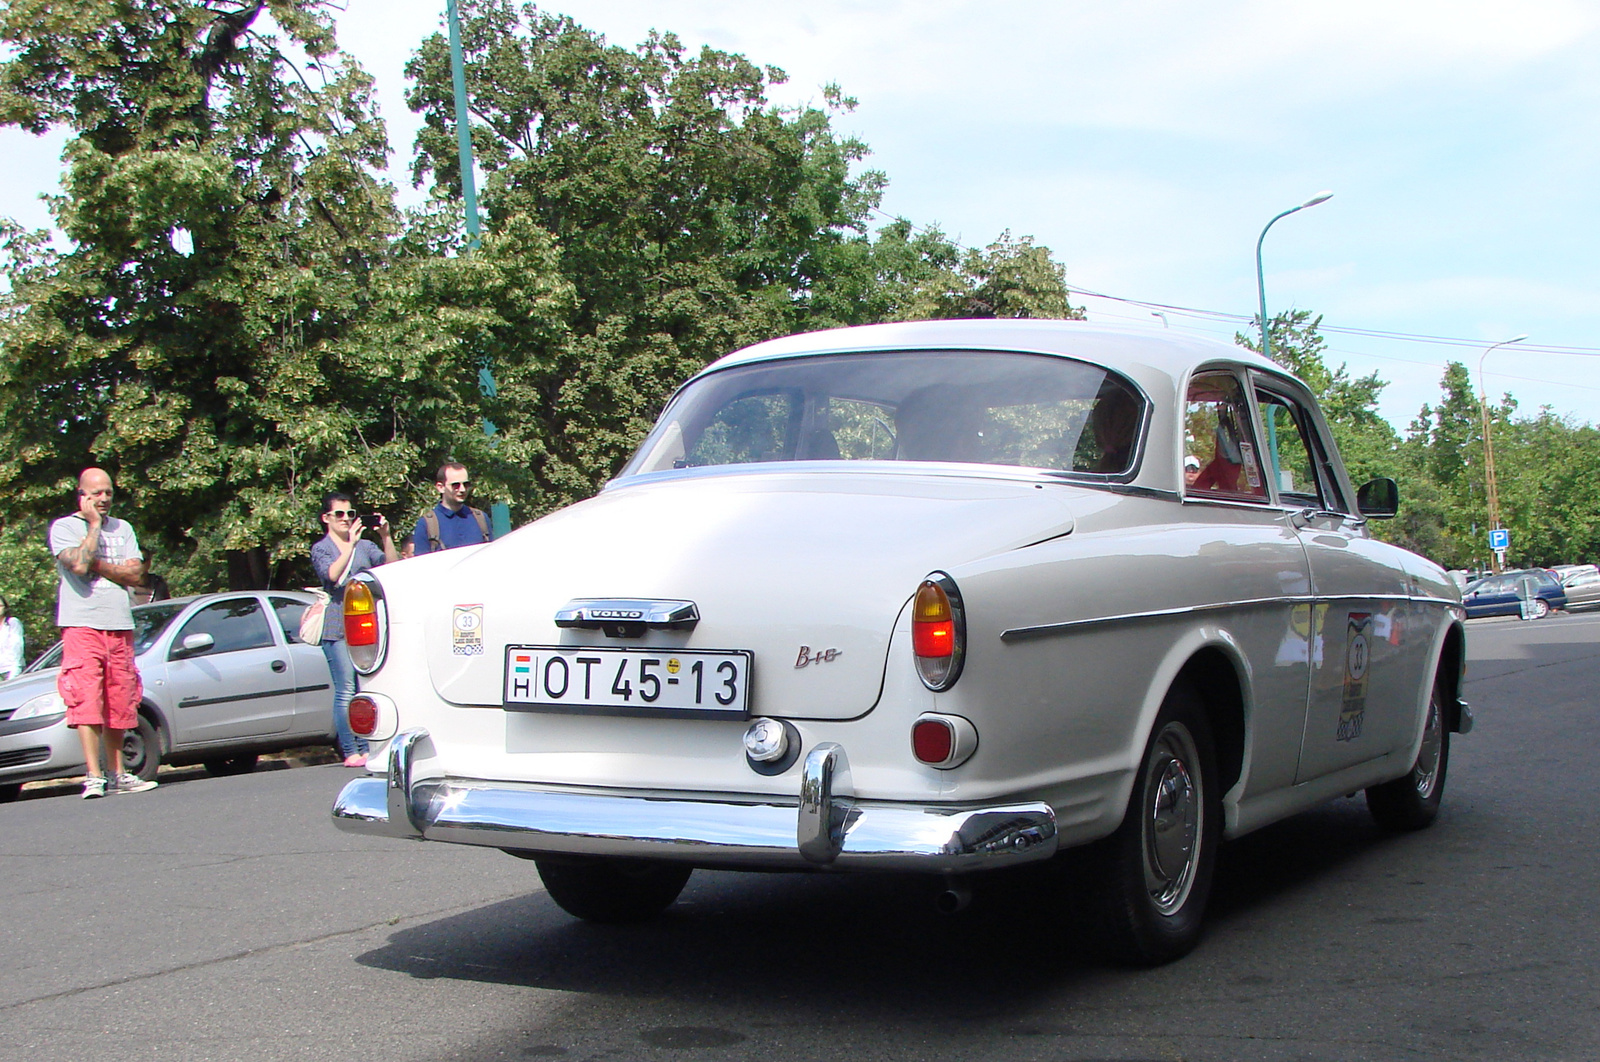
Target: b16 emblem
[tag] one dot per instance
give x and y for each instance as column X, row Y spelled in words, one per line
column 821, row 656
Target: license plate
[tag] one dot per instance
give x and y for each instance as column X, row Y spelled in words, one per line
column 628, row 681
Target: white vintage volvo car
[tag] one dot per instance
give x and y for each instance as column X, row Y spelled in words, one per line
column 940, row 597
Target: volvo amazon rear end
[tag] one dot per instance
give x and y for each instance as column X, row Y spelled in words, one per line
column 749, row 649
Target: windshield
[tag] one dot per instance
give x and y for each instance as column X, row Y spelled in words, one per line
column 148, row 623
column 1027, row 410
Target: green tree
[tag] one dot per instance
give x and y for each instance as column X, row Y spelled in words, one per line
column 1367, row 443
column 208, row 334
column 689, row 217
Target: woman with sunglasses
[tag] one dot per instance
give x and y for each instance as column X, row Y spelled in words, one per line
column 343, row 553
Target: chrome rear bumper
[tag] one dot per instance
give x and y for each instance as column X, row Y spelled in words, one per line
column 817, row 829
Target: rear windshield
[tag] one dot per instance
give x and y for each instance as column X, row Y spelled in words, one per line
column 1027, row 410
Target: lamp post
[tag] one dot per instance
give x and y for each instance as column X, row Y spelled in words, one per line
column 1261, row 283
column 499, row 512
column 1489, row 486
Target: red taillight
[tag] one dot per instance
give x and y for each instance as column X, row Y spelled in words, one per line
column 360, row 615
column 363, row 713
column 932, row 741
column 938, row 631
column 943, row 741
column 933, row 625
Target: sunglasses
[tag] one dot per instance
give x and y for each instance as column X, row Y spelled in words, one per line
column 463, row 485
column 342, row 514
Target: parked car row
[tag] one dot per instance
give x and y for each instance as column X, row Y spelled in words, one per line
column 226, row 679
column 1573, row 587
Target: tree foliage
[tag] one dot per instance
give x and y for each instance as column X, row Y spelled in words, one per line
column 240, row 319
column 202, row 336
column 1547, row 468
column 690, row 217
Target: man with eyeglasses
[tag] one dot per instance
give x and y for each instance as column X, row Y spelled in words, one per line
column 452, row 522
column 98, row 558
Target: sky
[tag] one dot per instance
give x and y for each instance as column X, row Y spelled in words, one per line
column 1147, row 143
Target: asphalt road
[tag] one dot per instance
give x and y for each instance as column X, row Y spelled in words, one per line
column 226, row 919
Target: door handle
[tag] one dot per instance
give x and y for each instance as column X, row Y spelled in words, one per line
column 278, row 665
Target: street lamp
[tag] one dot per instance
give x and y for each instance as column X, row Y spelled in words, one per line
column 1261, row 283
column 499, row 512
column 1489, row 487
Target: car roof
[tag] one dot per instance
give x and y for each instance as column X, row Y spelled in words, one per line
column 168, row 602
column 1140, row 352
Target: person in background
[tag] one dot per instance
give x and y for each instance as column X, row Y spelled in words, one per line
column 10, row 643
column 98, row 558
column 343, row 553
column 452, row 522
column 151, row 588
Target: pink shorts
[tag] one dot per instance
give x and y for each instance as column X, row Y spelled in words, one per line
column 98, row 679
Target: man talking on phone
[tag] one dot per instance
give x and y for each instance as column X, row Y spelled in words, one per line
column 452, row 522
column 98, row 558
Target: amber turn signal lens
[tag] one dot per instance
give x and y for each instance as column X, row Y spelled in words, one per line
column 933, row 626
column 360, row 615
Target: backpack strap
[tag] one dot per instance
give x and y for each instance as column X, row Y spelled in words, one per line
column 430, row 521
column 483, row 521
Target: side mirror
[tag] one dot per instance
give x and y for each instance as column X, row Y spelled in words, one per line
column 195, row 643
column 1378, row 499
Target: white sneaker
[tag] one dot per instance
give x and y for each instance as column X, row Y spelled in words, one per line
column 94, row 786
column 132, row 783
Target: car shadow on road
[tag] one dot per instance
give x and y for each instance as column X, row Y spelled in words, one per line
column 819, row 945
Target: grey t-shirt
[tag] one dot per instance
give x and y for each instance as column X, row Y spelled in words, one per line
column 91, row 600
column 323, row 554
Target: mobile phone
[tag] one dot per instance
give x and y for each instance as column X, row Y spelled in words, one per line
column 371, row 520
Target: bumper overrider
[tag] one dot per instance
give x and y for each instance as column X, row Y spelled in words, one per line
column 817, row 829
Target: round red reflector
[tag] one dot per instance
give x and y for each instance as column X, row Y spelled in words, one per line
column 363, row 715
column 932, row 740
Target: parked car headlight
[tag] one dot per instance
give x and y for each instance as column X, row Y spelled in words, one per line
column 938, row 631
column 366, row 623
column 42, row 705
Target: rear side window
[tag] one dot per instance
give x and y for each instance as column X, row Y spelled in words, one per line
column 234, row 624
column 1218, row 437
column 288, row 612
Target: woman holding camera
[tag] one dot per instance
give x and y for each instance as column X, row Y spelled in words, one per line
column 342, row 553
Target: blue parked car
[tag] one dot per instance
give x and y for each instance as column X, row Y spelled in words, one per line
column 1502, row 595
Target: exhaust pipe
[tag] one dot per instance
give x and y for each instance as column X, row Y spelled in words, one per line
column 955, row 897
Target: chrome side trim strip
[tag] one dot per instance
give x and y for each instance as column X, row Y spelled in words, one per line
column 1045, row 630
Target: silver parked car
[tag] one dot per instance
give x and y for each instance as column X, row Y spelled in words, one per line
column 226, row 678
column 1582, row 584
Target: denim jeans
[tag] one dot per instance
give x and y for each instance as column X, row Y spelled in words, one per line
column 344, row 687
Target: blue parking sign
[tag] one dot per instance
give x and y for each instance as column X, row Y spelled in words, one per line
column 1500, row 538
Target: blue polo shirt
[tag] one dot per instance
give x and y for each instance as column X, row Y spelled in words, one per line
column 459, row 528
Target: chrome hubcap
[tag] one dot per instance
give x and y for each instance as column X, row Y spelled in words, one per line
column 1426, row 772
column 1173, row 818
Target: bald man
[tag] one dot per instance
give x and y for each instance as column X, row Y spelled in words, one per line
column 98, row 558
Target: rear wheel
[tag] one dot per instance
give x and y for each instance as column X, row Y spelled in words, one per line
column 1541, row 608
column 141, row 749
column 224, row 766
column 1412, row 802
column 1153, row 875
column 612, row 891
